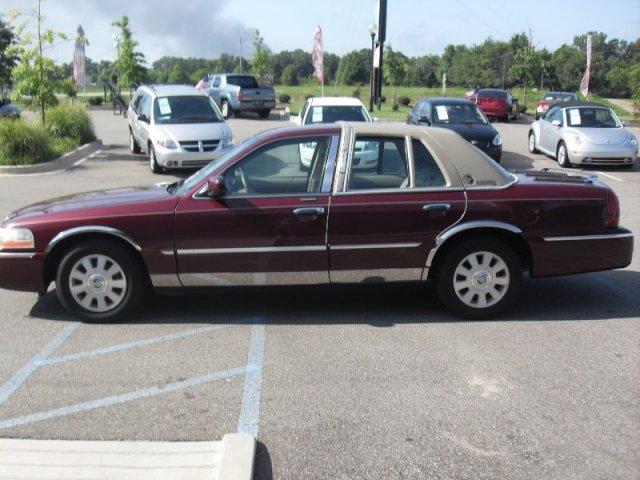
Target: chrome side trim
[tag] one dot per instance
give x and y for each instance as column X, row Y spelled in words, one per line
column 230, row 279
column 91, row 229
column 215, row 251
column 382, row 275
column 367, row 246
column 588, row 237
column 164, row 280
column 17, row 254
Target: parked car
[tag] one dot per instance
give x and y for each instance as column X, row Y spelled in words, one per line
column 334, row 109
column 495, row 103
column 177, row 126
column 553, row 98
column 240, row 93
column 434, row 209
column 583, row 133
column 8, row 110
column 461, row 116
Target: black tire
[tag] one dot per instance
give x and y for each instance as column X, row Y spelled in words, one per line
column 532, row 143
column 566, row 163
column 264, row 113
column 506, row 119
column 154, row 166
column 136, row 280
column 446, row 274
column 133, row 145
column 225, row 108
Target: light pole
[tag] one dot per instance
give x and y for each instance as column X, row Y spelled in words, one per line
column 373, row 30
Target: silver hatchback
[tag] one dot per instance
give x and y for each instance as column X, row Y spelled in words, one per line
column 583, row 133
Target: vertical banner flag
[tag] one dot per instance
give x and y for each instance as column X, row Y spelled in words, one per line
column 317, row 56
column 78, row 58
column 584, row 85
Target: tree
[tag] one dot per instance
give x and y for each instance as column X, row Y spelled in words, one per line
column 289, row 75
column 395, row 69
column 130, row 62
column 34, row 75
column 527, row 68
column 8, row 59
column 261, row 63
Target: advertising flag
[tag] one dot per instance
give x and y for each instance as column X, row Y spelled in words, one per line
column 317, row 56
column 584, row 85
column 79, row 58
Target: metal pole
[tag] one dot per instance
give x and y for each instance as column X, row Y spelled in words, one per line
column 372, row 76
column 382, row 36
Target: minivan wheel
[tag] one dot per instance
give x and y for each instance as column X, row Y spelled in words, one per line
column 226, row 110
column 99, row 281
column 153, row 161
column 133, row 145
column 532, row 143
column 479, row 278
column 563, row 156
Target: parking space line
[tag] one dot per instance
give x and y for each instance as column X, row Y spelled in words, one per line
column 609, row 176
column 19, row 378
column 129, row 345
column 126, row 397
column 249, row 419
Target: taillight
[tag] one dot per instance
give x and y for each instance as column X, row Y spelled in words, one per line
column 612, row 212
column 543, row 105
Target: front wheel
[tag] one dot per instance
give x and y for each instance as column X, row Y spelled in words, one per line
column 532, row 143
column 563, row 156
column 133, row 145
column 154, row 166
column 479, row 278
column 99, row 281
column 226, row 110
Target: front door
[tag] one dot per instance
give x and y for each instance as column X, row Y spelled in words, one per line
column 384, row 222
column 270, row 226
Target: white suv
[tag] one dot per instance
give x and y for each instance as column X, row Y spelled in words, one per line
column 177, row 126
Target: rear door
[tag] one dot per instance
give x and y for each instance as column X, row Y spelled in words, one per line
column 384, row 221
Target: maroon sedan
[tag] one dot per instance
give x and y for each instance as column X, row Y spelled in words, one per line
column 432, row 208
column 495, row 103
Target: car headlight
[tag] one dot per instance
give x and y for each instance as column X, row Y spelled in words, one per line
column 168, row 144
column 577, row 140
column 633, row 140
column 497, row 140
column 16, row 238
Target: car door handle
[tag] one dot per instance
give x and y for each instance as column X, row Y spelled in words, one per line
column 437, row 208
column 308, row 211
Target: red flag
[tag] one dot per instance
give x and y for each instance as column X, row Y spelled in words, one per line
column 317, row 56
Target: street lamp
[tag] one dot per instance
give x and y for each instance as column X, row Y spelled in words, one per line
column 373, row 30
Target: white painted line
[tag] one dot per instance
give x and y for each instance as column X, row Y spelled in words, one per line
column 249, row 420
column 32, row 365
column 125, row 397
column 609, row 176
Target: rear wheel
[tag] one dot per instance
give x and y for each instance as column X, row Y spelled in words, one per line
column 532, row 143
column 479, row 278
column 133, row 145
column 563, row 156
column 225, row 108
column 100, row 281
column 264, row 113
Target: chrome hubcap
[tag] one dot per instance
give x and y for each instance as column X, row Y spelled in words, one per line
column 97, row 283
column 152, row 157
column 225, row 109
column 481, row 279
column 532, row 143
column 562, row 155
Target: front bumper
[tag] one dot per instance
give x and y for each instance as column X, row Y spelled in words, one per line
column 180, row 158
column 22, row 271
column 602, row 155
column 569, row 254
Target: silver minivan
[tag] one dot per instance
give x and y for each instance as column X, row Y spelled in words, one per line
column 177, row 126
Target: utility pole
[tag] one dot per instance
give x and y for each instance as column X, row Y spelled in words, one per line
column 382, row 36
column 240, row 52
column 504, row 69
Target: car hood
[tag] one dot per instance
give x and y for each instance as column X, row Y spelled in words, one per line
column 193, row 131
column 478, row 132
column 118, row 201
column 603, row 136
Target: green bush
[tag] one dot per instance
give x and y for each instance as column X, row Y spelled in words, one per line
column 95, row 101
column 289, row 75
column 402, row 100
column 356, row 92
column 522, row 108
column 383, row 99
column 395, row 107
column 70, row 121
column 284, row 98
column 23, row 143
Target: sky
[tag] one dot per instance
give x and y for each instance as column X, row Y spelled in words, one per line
column 207, row 28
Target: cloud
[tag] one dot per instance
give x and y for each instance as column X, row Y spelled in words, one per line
column 186, row 28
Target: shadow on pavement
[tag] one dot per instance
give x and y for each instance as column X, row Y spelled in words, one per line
column 262, row 469
column 575, row 298
column 512, row 160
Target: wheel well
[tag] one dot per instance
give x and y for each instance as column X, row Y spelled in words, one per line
column 54, row 257
column 515, row 241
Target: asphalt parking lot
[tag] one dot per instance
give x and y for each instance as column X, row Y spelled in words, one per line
column 356, row 383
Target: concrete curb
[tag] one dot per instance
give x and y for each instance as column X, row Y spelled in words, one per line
column 229, row 459
column 64, row 162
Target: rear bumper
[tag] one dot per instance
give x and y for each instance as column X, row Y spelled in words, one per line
column 494, row 110
column 254, row 105
column 566, row 255
column 21, row 271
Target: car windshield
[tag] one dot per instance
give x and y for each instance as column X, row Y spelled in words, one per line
column 331, row 114
column 183, row 186
column 457, row 113
column 243, row 81
column 185, row 109
column 592, row 117
column 559, row 97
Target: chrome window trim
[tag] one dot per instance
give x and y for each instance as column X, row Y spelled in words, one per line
column 401, row 190
column 217, row 251
column 91, row 229
column 588, row 237
column 17, row 254
column 369, row 246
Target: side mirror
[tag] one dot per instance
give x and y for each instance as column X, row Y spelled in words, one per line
column 556, row 123
column 143, row 118
column 625, row 123
column 215, row 187
column 424, row 119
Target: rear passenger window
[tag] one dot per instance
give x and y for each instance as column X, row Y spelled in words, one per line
column 378, row 163
column 427, row 172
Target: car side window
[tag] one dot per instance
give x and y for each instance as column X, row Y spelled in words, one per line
column 427, row 172
column 216, row 82
column 556, row 115
column 379, row 163
column 550, row 112
column 136, row 102
column 145, row 106
column 285, row 167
